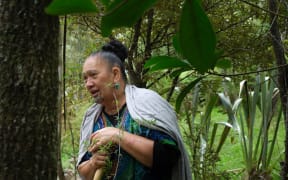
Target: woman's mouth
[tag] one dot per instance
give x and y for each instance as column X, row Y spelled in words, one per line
column 95, row 94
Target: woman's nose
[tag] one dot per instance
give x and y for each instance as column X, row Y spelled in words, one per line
column 88, row 83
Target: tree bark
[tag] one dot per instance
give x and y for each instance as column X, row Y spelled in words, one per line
column 29, row 58
column 282, row 76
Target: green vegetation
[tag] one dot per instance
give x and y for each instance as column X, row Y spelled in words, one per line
column 214, row 133
column 229, row 133
column 230, row 162
column 193, row 52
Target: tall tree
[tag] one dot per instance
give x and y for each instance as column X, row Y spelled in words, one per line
column 29, row 59
column 279, row 52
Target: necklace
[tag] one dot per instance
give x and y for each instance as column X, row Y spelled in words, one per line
column 114, row 119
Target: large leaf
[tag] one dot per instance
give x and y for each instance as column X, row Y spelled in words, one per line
column 164, row 62
column 196, row 37
column 185, row 91
column 123, row 13
column 176, row 44
column 62, row 7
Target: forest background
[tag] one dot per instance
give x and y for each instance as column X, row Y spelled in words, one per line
column 222, row 64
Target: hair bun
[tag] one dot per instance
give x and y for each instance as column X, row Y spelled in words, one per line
column 117, row 48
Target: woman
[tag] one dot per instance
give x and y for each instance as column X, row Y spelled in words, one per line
column 131, row 130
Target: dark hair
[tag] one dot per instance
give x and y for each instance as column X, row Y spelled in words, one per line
column 114, row 53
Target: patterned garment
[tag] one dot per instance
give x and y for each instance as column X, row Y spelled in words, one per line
column 128, row 168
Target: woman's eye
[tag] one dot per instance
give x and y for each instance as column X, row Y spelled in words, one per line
column 94, row 75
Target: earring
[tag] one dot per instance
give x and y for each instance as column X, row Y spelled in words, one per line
column 117, row 86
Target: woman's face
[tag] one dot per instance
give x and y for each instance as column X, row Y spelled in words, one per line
column 98, row 79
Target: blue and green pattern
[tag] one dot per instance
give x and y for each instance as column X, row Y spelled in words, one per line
column 129, row 168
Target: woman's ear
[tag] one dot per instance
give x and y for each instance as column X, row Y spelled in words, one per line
column 116, row 74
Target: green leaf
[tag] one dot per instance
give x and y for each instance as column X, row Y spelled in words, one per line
column 223, row 137
column 176, row 44
column 214, row 131
column 62, row 7
column 164, row 62
column 123, row 13
column 185, row 91
column 231, row 109
column 196, row 37
column 224, row 63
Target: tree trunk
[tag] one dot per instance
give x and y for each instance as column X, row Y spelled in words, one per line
column 136, row 68
column 134, row 76
column 282, row 77
column 29, row 58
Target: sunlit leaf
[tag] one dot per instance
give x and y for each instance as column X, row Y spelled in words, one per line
column 243, row 85
column 196, row 37
column 236, row 104
column 164, row 62
column 62, row 7
column 123, row 13
column 185, row 91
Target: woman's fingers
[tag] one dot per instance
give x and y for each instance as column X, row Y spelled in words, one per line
column 95, row 144
column 102, row 137
column 99, row 160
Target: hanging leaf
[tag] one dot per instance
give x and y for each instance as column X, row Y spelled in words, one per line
column 164, row 62
column 196, row 37
column 176, row 44
column 185, row 91
column 62, row 7
column 123, row 13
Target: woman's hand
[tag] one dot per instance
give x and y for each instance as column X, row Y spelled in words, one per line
column 98, row 160
column 102, row 137
column 88, row 168
column 139, row 147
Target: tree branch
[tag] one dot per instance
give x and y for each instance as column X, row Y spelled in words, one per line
column 247, row 73
column 133, row 52
column 263, row 9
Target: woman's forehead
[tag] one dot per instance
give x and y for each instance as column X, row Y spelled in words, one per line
column 94, row 62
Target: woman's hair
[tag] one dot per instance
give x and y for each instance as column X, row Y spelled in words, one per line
column 114, row 53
